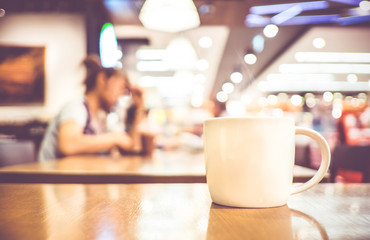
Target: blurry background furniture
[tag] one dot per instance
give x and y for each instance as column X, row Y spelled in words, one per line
column 350, row 164
column 13, row 152
column 179, row 166
column 32, row 130
column 302, row 155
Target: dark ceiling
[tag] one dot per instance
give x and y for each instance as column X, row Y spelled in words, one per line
column 231, row 13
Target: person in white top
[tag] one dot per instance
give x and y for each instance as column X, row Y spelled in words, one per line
column 76, row 129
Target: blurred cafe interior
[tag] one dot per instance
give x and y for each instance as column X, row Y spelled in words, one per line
column 306, row 60
column 187, row 61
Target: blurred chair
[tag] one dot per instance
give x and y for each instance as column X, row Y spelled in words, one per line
column 13, row 152
column 350, row 164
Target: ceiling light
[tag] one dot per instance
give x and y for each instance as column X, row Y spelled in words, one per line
column 282, row 97
column 178, row 86
column 236, row 77
column 325, row 68
column 228, row 87
column 332, row 57
column 151, row 54
column 352, row 78
column 362, row 96
column 336, row 113
column 357, row 12
column 277, row 8
column 296, row 100
column 328, row 96
column 258, row 43
column 271, row 30
column 198, row 88
column 253, row 20
column 196, row 100
column 304, row 86
column 202, row 65
column 309, row 95
column 221, row 96
column 348, row 2
column 262, row 102
column 263, row 86
column 197, row 97
column 235, row 108
column 319, row 43
column 272, row 100
column 152, row 66
column 355, row 102
column 338, row 96
column 286, row 15
column 246, row 99
column 169, row 15
column 348, row 20
column 348, row 98
column 181, row 54
column 321, row 77
column 365, row 5
column 312, row 19
column 250, row 58
column 310, row 102
column 205, row 42
column 200, row 78
column 150, row 81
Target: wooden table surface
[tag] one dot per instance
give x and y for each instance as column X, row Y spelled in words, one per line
column 177, row 211
column 161, row 167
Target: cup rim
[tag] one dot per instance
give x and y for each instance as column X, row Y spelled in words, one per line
column 213, row 119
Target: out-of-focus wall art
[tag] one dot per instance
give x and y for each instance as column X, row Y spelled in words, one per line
column 22, row 75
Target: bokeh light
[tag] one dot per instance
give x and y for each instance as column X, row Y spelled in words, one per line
column 271, row 30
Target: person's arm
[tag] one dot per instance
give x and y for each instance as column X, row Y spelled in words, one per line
column 135, row 133
column 72, row 140
column 138, row 111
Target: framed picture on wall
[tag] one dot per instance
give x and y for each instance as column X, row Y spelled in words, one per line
column 22, row 75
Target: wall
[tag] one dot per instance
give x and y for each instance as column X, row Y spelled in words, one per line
column 64, row 37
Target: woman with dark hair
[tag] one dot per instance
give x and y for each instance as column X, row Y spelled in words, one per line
column 77, row 129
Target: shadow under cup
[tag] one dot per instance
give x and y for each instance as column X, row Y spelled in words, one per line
column 250, row 160
column 267, row 223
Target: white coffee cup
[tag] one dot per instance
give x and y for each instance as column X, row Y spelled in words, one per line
column 250, row 160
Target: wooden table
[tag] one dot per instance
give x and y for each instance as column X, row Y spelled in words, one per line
column 177, row 211
column 161, row 167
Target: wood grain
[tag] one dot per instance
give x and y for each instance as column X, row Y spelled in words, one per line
column 176, row 211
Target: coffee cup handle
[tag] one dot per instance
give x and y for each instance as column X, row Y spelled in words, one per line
column 325, row 159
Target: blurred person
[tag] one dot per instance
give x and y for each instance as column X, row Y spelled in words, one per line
column 353, row 128
column 80, row 126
